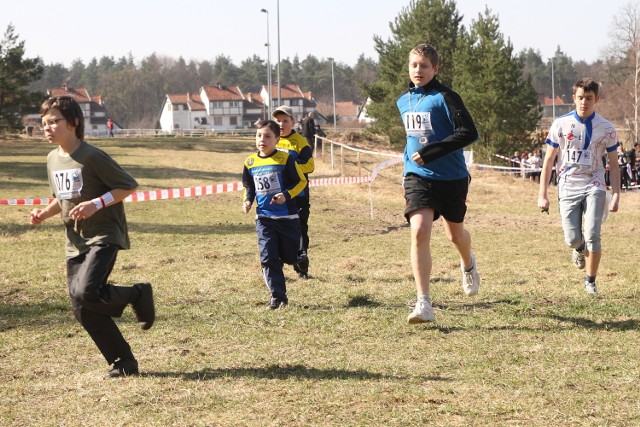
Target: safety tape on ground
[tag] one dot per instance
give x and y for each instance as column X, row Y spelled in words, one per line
column 181, row 193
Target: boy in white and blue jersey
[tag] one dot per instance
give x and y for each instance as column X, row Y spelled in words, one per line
column 436, row 179
column 272, row 179
column 581, row 139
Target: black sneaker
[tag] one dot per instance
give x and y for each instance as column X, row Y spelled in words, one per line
column 277, row 302
column 124, row 368
column 303, row 275
column 144, row 307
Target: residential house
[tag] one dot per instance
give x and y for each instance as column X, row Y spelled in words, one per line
column 226, row 108
column 557, row 105
column 363, row 117
column 183, row 111
column 224, row 105
column 301, row 103
column 93, row 109
column 346, row 111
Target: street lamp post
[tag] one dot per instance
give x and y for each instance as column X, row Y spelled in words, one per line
column 333, row 86
column 553, row 92
column 269, row 84
column 279, row 83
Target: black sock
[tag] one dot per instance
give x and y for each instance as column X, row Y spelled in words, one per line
column 591, row 279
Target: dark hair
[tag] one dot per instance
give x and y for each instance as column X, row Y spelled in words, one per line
column 275, row 128
column 70, row 110
column 587, row 85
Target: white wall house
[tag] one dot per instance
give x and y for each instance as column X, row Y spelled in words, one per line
column 93, row 109
column 183, row 112
column 301, row 103
column 224, row 106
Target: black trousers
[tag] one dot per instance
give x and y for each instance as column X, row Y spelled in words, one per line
column 304, row 209
column 95, row 302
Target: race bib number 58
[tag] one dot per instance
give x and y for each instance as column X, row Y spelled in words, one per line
column 267, row 184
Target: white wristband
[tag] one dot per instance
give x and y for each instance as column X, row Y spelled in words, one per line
column 107, row 198
column 97, row 203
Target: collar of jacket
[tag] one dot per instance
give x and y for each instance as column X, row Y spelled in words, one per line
column 426, row 88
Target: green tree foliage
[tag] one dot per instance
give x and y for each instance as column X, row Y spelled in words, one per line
column 436, row 22
column 490, row 80
column 16, row 73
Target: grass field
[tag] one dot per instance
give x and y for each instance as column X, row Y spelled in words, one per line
column 531, row 349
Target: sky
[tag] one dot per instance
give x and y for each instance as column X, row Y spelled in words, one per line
column 61, row 32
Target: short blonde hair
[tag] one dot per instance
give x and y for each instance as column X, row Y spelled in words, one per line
column 427, row 51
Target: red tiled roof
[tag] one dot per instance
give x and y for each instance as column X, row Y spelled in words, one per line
column 287, row 91
column 254, row 98
column 549, row 101
column 80, row 94
column 223, row 93
column 192, row 100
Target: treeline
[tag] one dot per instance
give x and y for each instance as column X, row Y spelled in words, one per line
column 134, row 91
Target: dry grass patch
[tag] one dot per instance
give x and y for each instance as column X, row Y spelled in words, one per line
column 531, row 349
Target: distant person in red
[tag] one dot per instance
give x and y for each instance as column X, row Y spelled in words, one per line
column 110, row 127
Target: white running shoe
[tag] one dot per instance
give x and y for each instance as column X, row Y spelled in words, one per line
column 470, row 279
column 578, row 259
column 590, row 288
column 422, row 313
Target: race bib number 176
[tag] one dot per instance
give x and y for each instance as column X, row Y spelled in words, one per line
column 68, row 183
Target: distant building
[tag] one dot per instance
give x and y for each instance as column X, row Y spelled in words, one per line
column 549, row 104
column 93, row 109
column 227, row 108
column 183, row 111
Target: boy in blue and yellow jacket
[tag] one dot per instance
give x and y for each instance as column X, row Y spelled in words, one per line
column 272, row 178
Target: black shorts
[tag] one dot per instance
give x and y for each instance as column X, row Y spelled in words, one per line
column 446, row 198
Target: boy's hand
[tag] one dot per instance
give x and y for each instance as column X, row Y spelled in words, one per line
column 615, row 201
column 35, row 218
column 416, row 158
column 543, row 204
column 246, row 207
column 83, row 210
column 278, row 198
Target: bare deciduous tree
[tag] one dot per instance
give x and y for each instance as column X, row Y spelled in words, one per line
column 625, row 48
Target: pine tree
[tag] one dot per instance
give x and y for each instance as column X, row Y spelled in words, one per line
column 436, row 22
column 16, row 73
column 490, row 80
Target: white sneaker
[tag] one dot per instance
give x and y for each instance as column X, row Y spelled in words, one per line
column 590, row 288
column 578, row 259
column 470, row 279
column 422, row 313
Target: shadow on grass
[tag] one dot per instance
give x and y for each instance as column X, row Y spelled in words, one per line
column 278, row 372
column 164, row 172
column 621, row 325
column 178, row 229
column 34, row 314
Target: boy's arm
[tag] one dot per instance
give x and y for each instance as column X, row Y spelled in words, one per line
column 249, row 194
column 305, row 159
column 464, row 131
column 87, row 208
column 545, row 177
column 37, row 216
column 614, row 180
column 298, row 180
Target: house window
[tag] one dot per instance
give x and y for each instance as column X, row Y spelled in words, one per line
column 217, row 104
column 235, row 104
column 176, row 126
column 217, row 121
column 294, row 102
column 233, row 121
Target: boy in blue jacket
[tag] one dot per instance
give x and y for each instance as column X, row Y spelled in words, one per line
column 436, row 179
